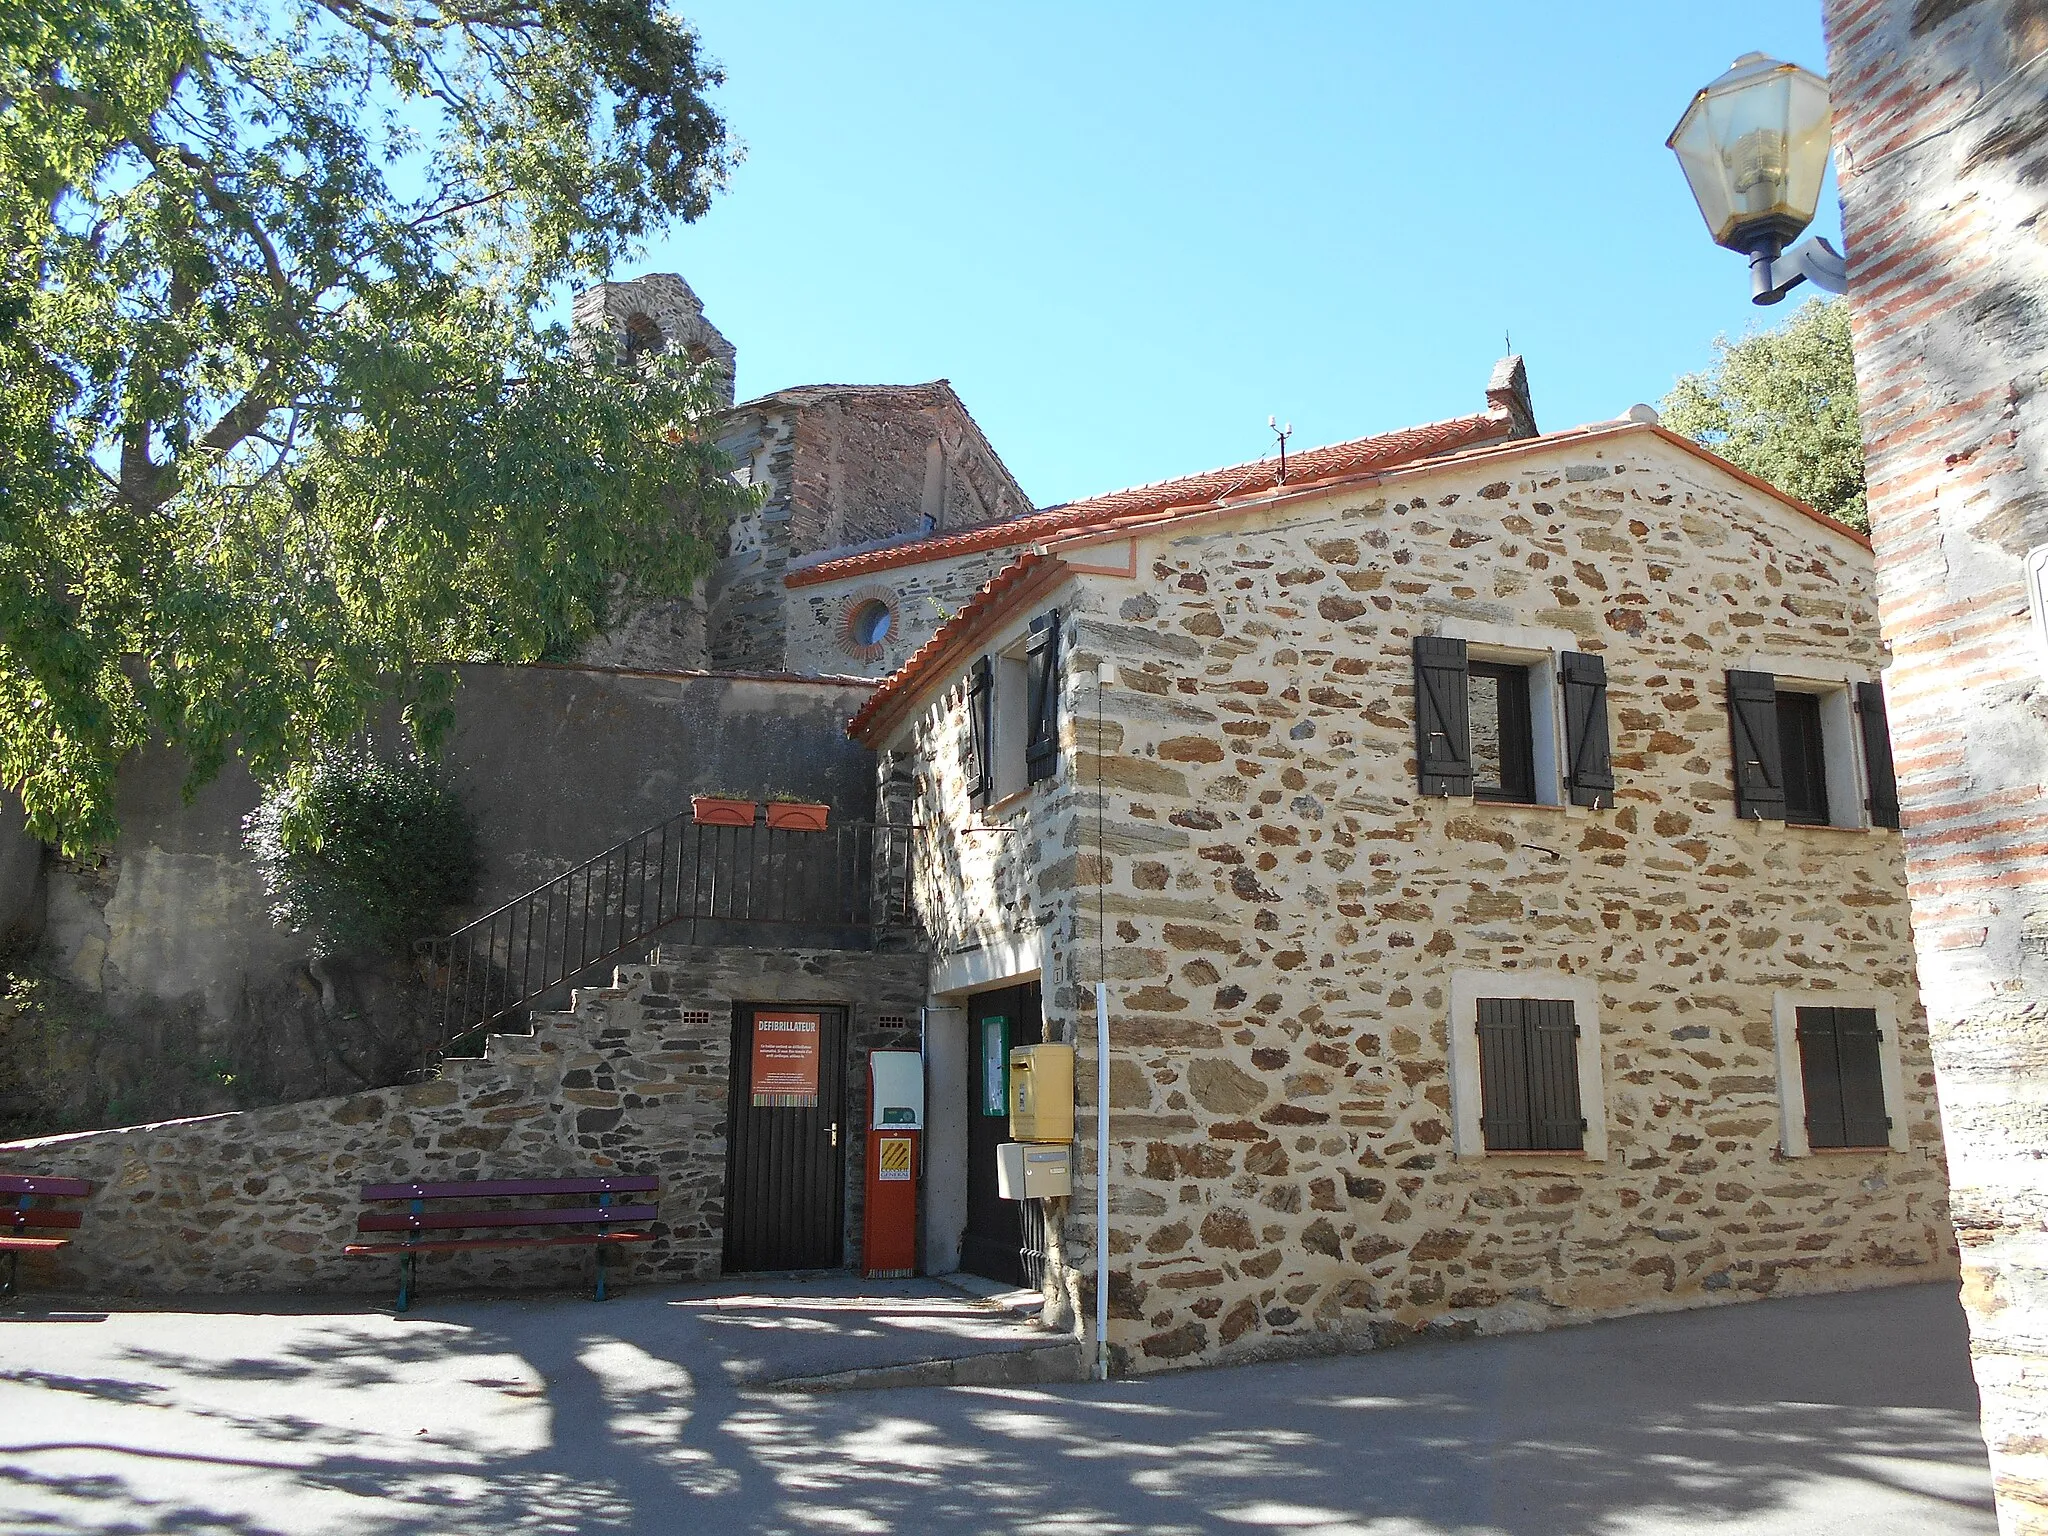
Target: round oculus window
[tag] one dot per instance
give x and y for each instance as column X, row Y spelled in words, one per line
column 870, row 623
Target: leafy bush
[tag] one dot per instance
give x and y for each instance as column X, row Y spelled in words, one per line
column 366, row 853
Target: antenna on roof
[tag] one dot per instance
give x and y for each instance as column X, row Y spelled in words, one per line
column 1283, row 433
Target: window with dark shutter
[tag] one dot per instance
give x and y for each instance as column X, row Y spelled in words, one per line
column 1753, row 733
column 1802, row 759
column 1498, row 732
column 1443, row 744
column 1529, row 1075
column 1589, row 761
column 1042, row 754
column 1843, row 1073
column 1883, row 803
column 981, row 698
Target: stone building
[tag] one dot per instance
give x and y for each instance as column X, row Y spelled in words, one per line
column 1486, row 840
column 1563, row 1011
column 1939, row 108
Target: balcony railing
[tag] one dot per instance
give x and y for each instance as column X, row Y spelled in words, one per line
column 838, row 888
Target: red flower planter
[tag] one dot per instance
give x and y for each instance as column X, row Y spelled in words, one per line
column 796, row 818
column 717, row 811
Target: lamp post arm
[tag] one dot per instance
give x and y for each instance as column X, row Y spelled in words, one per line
column 1774, row 274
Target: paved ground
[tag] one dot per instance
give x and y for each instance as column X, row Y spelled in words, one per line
column 1851, row 1414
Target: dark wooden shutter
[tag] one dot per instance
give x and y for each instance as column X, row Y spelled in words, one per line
column 1590, row 763
column 1753, row 733
column 1529, row 1075
column 1042, row 754
column 1842, row 1071
column 1503, row 1076
column 981, row 698
column 1864, row 1121
column 1553, row 1044
column 1877, row 756
column 1443, row 736
column 1820, row 1070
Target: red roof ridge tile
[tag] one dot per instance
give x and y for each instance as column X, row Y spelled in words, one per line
column 1381, row 450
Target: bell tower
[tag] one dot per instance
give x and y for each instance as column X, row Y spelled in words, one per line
column 656, row 313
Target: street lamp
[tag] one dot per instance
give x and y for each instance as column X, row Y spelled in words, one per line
column 1754, row 147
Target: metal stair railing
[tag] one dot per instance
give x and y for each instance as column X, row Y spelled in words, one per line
column 845, row 882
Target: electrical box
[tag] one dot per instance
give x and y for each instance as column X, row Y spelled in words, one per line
column 1028, row 1170
column 898, row 1094
column 895, row 1125
column 1042, row 1093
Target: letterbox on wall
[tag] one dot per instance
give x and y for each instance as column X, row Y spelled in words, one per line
column 1042, row 1093
column 1034, row 1171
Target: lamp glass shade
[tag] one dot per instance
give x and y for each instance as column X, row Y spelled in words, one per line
column 1754, row 147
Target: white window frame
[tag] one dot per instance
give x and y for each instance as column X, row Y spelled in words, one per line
column 1537, row 650
column 1468, row 1136
column 1785, row 1006
column 1841, row 733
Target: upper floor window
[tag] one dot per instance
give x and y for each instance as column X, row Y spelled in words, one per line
column 1811, row 752
column 1013, row 698
column 1487, row 723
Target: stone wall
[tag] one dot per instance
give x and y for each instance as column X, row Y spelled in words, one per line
column 555, row 763
column 1292, row 933
column 631, row 1080
column 842, row 466
column 1938, row 121
column 920, row 598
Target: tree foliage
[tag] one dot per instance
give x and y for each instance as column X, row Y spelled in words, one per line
column 364, row 852
column 1782, row 405
column 280, row 435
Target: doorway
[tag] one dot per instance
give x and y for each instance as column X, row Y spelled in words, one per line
column 995, row 1241
column 785, row 1172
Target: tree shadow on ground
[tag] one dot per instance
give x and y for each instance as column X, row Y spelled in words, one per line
column 1851, row 1412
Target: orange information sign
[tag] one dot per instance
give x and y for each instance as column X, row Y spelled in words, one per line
column 785, row 1073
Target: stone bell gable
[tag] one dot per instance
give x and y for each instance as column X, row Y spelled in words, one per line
column 1314, row 954
column 657, row 313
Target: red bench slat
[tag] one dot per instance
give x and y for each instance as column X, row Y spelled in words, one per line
column 32, row 1244
column 442, row 1245
column 37, row 1184
column 443, row 1221
column 38, row 1216
column 479, row 1189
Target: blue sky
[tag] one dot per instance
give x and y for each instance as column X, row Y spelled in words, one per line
column 1129, row 234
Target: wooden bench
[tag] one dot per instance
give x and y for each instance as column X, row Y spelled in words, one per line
column 25, row 1215
column 418, row 1221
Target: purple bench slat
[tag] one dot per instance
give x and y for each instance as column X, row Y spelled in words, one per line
column 446, row 1221
column 479, row 1189
column 17, row 1218
column 36, row 1184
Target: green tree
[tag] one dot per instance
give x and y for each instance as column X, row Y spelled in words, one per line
column 1782, row 405
column 281, row 433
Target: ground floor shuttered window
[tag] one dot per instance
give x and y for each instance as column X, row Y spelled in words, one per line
column 1842, row 1069
column 1529, row 1075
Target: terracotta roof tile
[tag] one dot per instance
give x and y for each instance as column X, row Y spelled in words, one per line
column 1366, row 453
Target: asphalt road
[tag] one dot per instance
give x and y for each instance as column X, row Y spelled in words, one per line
column 1837, row 1414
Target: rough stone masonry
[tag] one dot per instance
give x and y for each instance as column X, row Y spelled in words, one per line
column 1294, row 937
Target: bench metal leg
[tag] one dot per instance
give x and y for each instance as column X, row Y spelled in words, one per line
column 600, row 1271
column 13, row 1274
column 405, row 1279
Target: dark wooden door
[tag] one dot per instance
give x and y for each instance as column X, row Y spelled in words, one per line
column 993, row 1244
column 785, row 1171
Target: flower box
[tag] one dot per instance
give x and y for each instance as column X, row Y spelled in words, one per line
column 717, row 811
column 791, row 816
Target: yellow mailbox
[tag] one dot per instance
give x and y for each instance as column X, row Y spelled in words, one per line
column 1042, row 1093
